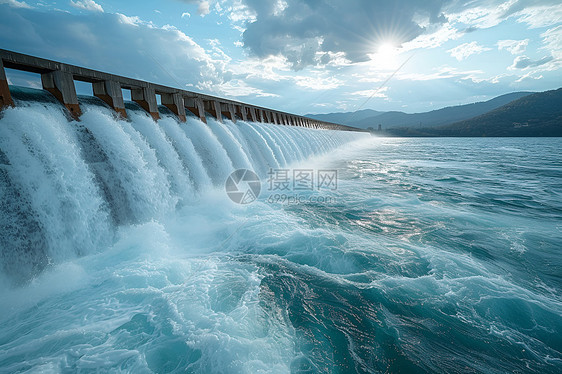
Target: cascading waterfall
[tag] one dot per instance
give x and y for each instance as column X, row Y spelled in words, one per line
column 44, row 162
column 67, row 186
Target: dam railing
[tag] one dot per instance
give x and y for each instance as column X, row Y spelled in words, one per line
column 58, row 78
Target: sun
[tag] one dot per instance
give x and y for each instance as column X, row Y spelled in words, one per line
column 387, row 50
column 386, row 56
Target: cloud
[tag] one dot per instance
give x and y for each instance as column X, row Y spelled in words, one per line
column 186, row 14
column 540, row 13
column 133, row 20
column 464, row 17
column 310, row 33
column 529, row 76
column 114, row 43
column 89, row 5
column 435, row 36
column 16, row 4
column 239, row 14
column 318, row 83
column 524, row 62
column 515, row 47
column 372, row 93
column 488, row 13
column 478, row 14
column 443, row 72
column 465, row 50
column 268, row 69
column 204, row 8
column 239, row 88
column 305, row 32
column 552, row 40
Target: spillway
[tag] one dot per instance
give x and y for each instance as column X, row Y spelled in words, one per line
column 67, row 186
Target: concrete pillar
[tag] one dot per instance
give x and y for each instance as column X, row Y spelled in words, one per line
column 214, row 107
column 5, row 96
column 227, row 110
column 274, row 117
column 146, row 98
column 61, row 85
column 218, row 112
column 267, row 116
column 195, row 105
column 253, row 116
column 241, row 112
column 110, row 92
column 232, row 111
column 261, row 116
column 175, row 103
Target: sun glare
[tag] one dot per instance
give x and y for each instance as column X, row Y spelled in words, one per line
column 387, row 50
column 385, row 56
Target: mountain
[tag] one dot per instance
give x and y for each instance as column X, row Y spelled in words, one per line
column 438, row 117
column 372, row 118
column 538, row 114
column 345, row 118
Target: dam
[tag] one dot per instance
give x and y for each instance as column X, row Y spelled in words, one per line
column 71, row 175
column 58, row 79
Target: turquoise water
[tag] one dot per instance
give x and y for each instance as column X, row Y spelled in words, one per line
column 432, row 255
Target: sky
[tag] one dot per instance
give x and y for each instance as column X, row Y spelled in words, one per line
column 302, row 56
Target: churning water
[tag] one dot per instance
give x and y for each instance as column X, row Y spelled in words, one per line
column 121, row 251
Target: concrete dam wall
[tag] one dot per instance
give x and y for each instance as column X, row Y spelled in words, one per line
column 58, row 79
